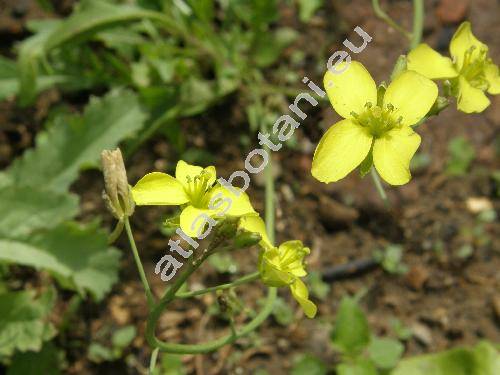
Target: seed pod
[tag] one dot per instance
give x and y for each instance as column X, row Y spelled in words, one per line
column 117, row 192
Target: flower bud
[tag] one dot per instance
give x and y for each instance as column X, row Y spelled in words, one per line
column 246, row 239
column 117, row 192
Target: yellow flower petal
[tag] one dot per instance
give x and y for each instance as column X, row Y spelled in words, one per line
column 470, row 99
column 193, row 220
column 185, row 172
column 343, row 147
column 240, row 204
column 429, row 63
column 292, row 255
column 271, row 272
column 158, row 189
column 412, row 95
column 301, row 295
column 491, row 72
column 350, row 90
column 256, row 225
column 462, row 41
column 392, row 154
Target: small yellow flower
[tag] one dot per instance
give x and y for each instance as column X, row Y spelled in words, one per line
column 196, row 191
column 376, row 126
column 282, row 266
column 471, row 72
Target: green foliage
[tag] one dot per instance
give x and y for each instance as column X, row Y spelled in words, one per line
column 282, row 312
column 391, row 259
column 317, row 286
column 47, row 362
column 385, row 352
column 120, row 340
column 363, row 353
column 77, row 256
column 307, row 8
column 461, row 154
column 308, row 365
column 73, row 142
column 351, row 332
column 171, row 364
column 483, row 359
column 23, row 321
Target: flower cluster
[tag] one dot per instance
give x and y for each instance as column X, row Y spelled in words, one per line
column 471, row 73
column 283, row 265
column 378, row 122
column 195, row 189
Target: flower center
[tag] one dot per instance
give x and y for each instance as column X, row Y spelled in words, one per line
column 377, row 120
column 473, row 68
column 197, row 189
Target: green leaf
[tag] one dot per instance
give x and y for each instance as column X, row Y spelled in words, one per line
column 76, row 141
column 79, row 257
column 282, row 312
column 461, row 154
column 44, row 362
column 351, row 332
column 25, row 209
column 307, row 8
column 123, row 337
column 171, row 364
column 385, row 352
column 359, row 367
column 99, row 353
column 483, row 359
column 309, row 365
column 23, row 321
column 269, row 46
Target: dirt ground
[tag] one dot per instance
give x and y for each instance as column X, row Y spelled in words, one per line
column 446, row 298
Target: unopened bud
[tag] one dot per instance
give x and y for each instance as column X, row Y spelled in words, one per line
column 117, row 194
column 439, row 105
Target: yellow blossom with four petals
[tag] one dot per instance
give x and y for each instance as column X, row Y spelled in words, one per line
column 283, row 265
column 376, row 127
column 194, row 189
column 471, row 72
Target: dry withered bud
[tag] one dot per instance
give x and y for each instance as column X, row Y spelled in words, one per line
column 117, row 192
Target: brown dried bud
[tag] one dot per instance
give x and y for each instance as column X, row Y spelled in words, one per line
column 117, row 194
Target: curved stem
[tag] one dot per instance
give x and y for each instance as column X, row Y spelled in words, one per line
column 418, row 23
column 152, row 362
column 242, row 280
column 138, row 263
column 385, row 17
column 116, row 232
column 379, row 187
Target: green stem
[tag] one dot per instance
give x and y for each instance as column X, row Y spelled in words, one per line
column 138, row 263
column 418, row 23
column 242, row 280
column 269, row 198
column 152, row 362
column 379, row 12
column 116, row 232
column 202, row 347
column 379, row 187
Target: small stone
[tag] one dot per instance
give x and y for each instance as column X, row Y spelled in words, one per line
column 452, row 11
column 422, row 334
column 496, row 306
column 478, row 204
column 417, row 276
column 334, row 214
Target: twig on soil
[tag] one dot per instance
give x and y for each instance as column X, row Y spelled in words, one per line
column 349, row 269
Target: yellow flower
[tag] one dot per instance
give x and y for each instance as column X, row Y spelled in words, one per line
column 282, row 266
column 196, row 191
column 471, row 72
column 376, row 126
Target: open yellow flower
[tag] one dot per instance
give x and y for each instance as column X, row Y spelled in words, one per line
column 376, row 128
column 282, row 266
column 196, row 191
column 471, row 72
